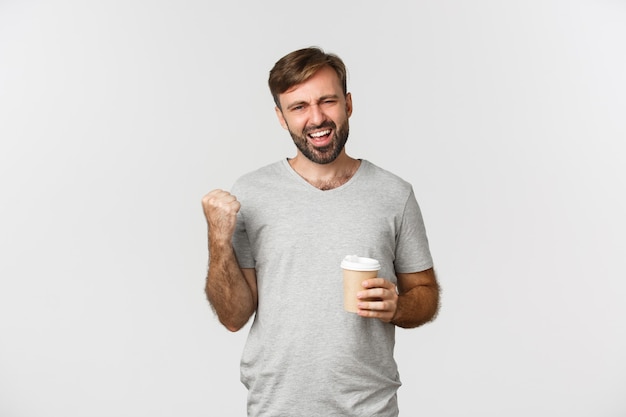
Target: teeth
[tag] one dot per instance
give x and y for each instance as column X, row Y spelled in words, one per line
column 320, row 134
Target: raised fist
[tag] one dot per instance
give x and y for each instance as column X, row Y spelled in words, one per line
column 220, row 209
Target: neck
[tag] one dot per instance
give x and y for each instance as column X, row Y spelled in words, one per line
column 325, row 176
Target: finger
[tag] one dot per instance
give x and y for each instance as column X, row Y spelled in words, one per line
column 378, row 283
column 374, row 306
column 221, row 199
column 368, row 313
column 372, row 293
column 379, row 293
column 229, row 203
column 383, row 315
column 214, row 194
column 209, row 198
column 218, row 194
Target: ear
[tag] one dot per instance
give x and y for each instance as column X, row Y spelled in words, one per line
column 349, row 104
column 281, row 118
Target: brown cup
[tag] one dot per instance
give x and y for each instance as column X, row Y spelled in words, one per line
column 356, row 269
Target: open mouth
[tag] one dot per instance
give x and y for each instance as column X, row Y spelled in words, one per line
column 321, row 133
column 320, row 137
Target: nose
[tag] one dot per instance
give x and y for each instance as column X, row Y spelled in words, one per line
column 316, row 115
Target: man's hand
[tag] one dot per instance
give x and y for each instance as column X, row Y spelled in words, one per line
column 220, row 209
column 379, row 299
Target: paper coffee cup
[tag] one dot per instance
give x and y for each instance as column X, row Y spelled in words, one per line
column 356, row 269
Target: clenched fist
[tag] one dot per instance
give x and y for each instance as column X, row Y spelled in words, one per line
column 220, row 209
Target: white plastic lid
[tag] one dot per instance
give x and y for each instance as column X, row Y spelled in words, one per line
column 358, row 263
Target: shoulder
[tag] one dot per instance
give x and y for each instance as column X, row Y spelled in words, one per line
column 259, row 176
column 385, row 180
column 262, row 184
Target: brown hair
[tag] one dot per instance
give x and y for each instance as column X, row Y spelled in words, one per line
column 298, row 66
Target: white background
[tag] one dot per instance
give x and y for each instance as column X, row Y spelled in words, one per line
column 117, row 116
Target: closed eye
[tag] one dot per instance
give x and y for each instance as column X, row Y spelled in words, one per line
column 297, row 107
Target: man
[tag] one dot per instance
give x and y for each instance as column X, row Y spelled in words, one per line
column 275, row 248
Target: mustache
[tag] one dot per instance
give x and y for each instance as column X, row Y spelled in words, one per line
column 326, row 125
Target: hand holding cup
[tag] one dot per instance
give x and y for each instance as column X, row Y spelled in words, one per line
column 364, row 292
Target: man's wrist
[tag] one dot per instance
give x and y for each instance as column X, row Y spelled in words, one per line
column 397, row 313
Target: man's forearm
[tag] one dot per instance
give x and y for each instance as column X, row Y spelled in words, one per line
column 417, row 306
column 227, row 289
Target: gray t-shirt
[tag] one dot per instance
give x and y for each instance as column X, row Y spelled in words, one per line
column 306, row 356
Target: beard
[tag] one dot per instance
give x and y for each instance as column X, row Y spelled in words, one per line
column 325, row 154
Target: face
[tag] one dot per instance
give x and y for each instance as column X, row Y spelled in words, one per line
column 316, row 115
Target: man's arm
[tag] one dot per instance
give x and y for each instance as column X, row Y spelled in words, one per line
column 232, row 291
column 415, row 303
column 418, row 299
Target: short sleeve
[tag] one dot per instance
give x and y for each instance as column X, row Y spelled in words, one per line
column 241, row 245
column 412, row 250
column 241, row 241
